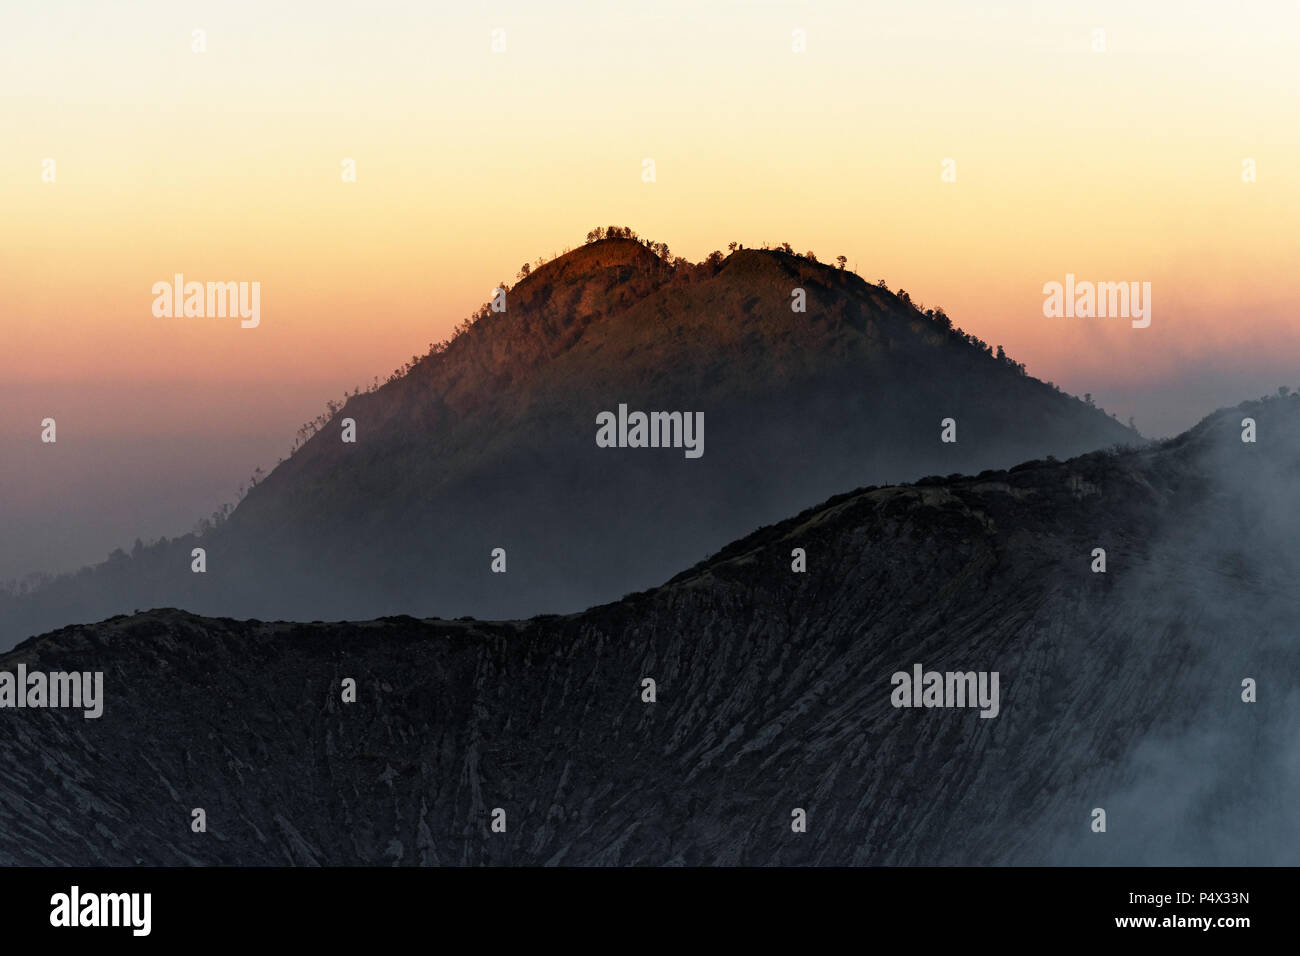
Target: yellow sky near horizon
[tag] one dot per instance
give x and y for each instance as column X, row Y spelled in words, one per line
column 225, row 165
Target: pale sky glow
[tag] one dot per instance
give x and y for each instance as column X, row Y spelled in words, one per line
column 1122, row 165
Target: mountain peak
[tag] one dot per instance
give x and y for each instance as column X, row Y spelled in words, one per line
column 808, row 379
column 600, row 254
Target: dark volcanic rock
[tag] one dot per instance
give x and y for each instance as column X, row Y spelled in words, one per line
column 1119, row 690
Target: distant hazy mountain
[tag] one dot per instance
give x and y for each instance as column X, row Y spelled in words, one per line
column 1120, row 691
column 492, row 443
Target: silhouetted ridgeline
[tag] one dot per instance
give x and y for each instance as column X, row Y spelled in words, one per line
column 1120, row 691
column 489, row 442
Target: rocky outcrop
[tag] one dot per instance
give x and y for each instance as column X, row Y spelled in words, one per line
column 1120, row 691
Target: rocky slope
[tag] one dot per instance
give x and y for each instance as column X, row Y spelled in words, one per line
column 1118, row 690
column 491, row 444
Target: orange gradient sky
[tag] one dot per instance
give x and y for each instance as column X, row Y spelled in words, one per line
column 225, row 165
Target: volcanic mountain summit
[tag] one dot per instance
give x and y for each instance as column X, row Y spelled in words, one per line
column 484, row 455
